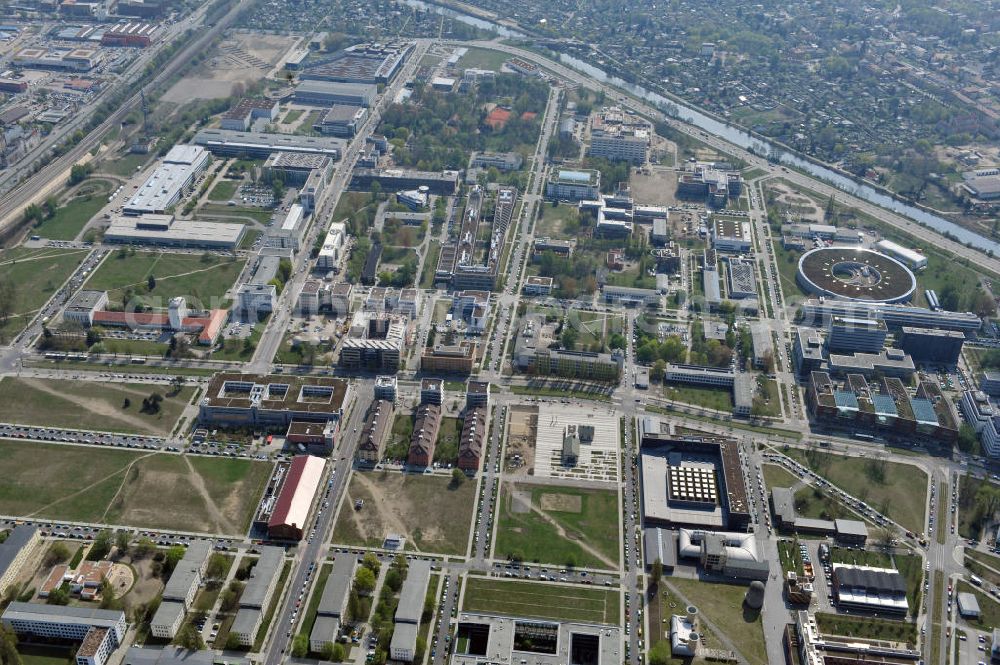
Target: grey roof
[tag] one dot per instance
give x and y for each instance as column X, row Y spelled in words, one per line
column 851, row 527
column 812, row 524
column 968, row 604
column 404, row 636
column 262, row 576
column 324, row 629
column 784, row 504
column 85, row 299
column 173, row 655
column 187, row 572
column 338, row 586
column 923, row 410
column 411, row 597
column 18, row 537
column 62, row 613
column 168, row 612
column 660, row 544
column 884, row 405
column 247, row 621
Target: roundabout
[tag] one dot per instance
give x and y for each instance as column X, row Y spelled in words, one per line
column 849, row 273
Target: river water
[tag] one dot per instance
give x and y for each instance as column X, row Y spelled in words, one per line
column 734, row 135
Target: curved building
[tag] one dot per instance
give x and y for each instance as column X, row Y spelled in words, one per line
column 856, row 274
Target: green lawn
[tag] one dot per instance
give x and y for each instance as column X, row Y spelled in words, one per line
column 989, row 617
column 35, row 275
column 124, row 165
column 430, row 264
column 790, row 557
column 90, row 484
column 899, row 489
column 481, row 58
column 720, row 399
column 778, row 476
column 867, row 627
column 971, row 517
column 722, row 605
column 224, row 190
column 292, row 116
column 553, row 220
column 309, row 616
column 203, row 278
column 73, row 214
column 449, row 436
column 89, row 405
column 541, row 601
column 582, row 522
column 32, row 654
column 134, row 347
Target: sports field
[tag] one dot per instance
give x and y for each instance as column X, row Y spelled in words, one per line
column 558, row 525
column 34, row 274
column 90, row 484
column 202, row 278
column 90, row 405
column 541, row 601
column 429, row 511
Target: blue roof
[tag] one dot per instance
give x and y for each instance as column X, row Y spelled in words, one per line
column 923, row 411
column 884, row 405
column 575, row 176
column 845, row 399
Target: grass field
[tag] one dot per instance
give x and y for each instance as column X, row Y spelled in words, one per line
column 224, row 190
column 88, row 484
column 89, row 405
column 720, row 399
column 124, row 165
column 429, row 511
column 35, row 275
column 564, row 526
column 430, row 264
column 75, row 212
column 553, row 219
column 722, row 605
column 791, row 558
column 989, row 617
column 32, row 654
column 541, row 601
column 481, row 58
column 901, row 490
column 202, row 279
column 777, row 476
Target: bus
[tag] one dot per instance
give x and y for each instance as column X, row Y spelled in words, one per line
column 138, row 361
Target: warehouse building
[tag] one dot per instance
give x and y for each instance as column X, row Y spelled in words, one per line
column 371, row 64
column 163, row 230
column 294, row 500
column 330, row 613
column 257, row 592
column 254, row 145
column 162, row 189
column 411, row 605
column 98, row 632
column 869, row 589
column 913, row 259
column 327, row 93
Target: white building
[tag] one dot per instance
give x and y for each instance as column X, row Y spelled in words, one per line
column 331, row 252
column 912, row 258
column 99, row 632
column 573, row 185
column 162, row 189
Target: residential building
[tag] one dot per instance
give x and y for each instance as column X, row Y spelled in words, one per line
column 98, row 632
column 457, row 358
column 180, row 590
column 471, row 444
column 257, row 593
column 378, row 423
column 426, row 425
column 477, row 393
column 411, row 606
column 332, row 608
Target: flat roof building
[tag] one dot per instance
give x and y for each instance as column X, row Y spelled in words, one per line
column 333, row 602
column 327, row 93
column 253, row 145
column 99, row 632
column 411, row 606
column 574, row 185
column 22, row 542
column 164, row 230
column 256, row 400
column 163, row 188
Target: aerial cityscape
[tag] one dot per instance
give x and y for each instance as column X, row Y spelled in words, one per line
column 465, row 332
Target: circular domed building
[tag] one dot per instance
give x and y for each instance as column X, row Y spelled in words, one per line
column 854, row 273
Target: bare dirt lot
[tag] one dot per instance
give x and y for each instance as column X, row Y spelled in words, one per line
column 430, row 511
column 240, row 58
column 522, row 425
column 659, row 188
column 801, row 207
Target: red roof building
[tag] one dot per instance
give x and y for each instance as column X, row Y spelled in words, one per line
column 498, row 117
column 295, row 498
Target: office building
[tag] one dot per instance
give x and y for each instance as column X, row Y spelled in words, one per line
column 257, row 593
column 804, row 643
column 573, row 185
column 760, row 340
column 816, row 312
column 294, row 168
column 537, row 286
column 741, row 278
column 411, row 606
column 913, row 259
column 163, row 188
column 630, row 296
column 932, row 345
column 272, row 401
column 707, row 182
column 854, row 334
column 432, row 391
column 982, row 415
column 98, row 632
column 83, row 305
column 21, row 545
column 449, row 358
column 888, row 362
column 989, row 382
column 331, row 253
column 332, row 608
column 619, row 135
column 175, row 655
column 342, row 120
column 501, row 161
column 731, row 236
column 371, row 64
column 442, row 183
column 242, row 116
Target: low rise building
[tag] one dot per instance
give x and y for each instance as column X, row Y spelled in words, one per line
column 449, row 358
column 502, row 161
column 272, row 401
column 731, row 236
column 98, row 632
column 257, row 593
column 537, row 286
column 332, row 608
column 573, row 185
column 163, row 188
column 378, row 423
column 20, row 546
column 409, row 610
column 243, row 114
